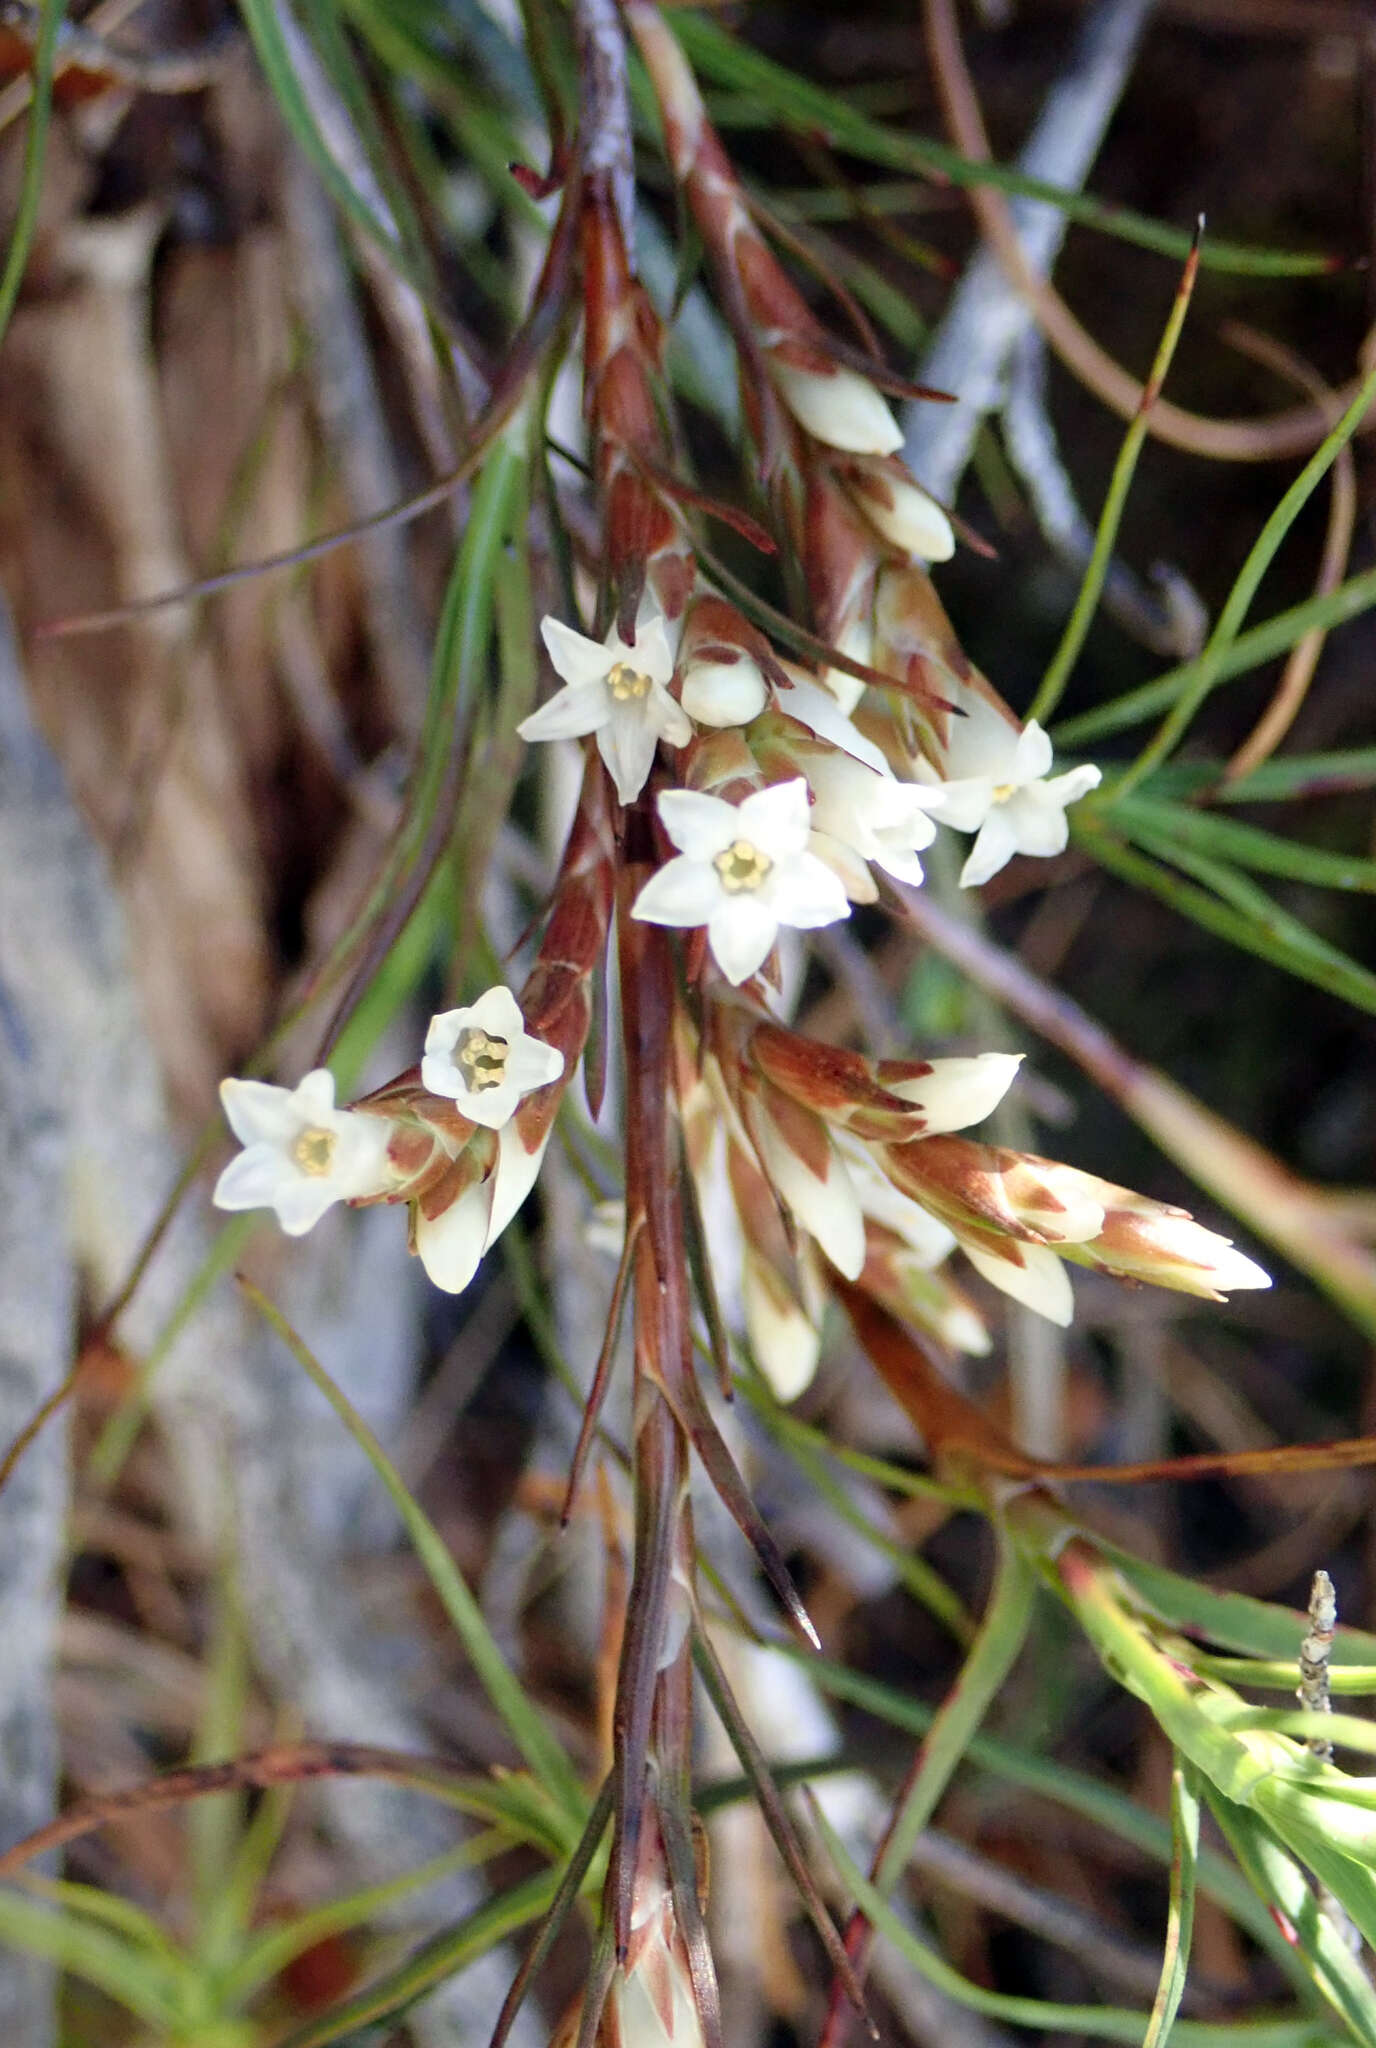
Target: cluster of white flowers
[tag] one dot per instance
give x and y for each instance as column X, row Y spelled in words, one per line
column 302, row 1155
column 798, row 852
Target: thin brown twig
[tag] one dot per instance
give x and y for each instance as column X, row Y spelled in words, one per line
column 1294, row 432
column 284, row 1764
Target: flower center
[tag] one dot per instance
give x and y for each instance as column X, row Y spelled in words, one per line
column 741, row 866
column 312, row 1151
column 481, row 1060
column 1003, row 790
column 626, row 683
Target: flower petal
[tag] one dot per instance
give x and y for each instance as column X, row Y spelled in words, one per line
column 960, row 1092
column 966, row 803
column 652, row 654
column 818, row 710
column 777, row 820
column 257, row 1112
column 995, row 847
column 1031, row 756
column 252, row 1178
column 699, row 825
column 1039, row 825
column 451, row 1245
column 576, row 709
column 627, row 744
column 784, row 1342
column 1075, row 783
column 496, row 1011
column 1039, row 1281
column 741, row 929
column 804, row 892
column 532, row 1064
column 513, row 1178
column 908, row 518
column 828, row 1209
column 683, row 892
column 302, row 1200
column 575, row 658
column 675, row 726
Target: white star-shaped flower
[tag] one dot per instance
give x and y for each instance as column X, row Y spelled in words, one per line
column 882, row 819
column 617, row 692
column 997, row 786
column 485, row 1060
column 742, row 870
column 301, row 1154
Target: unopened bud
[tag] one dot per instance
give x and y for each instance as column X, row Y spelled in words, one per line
column 783, row 1339
column 840, row 407
column 901, row 511
column 1146, row 1240
column 722, row 693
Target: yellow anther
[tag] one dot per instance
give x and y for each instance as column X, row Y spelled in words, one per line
column 481, row 1060
column 741, row 866
column 627, row 683
column 313, row 1151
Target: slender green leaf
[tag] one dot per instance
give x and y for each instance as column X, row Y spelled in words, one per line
column 1180, row 1918
column 1248, row 919
column 433, row 1962
column 270, row 1952
column 523, row 1721
column 776, row 94
column 1245, row 586
column 1318, row 1947
column 1001, row 1634
column 1229, row 840
column 1274, row 636
column 136, row 1975
column 50, row 16
column 1058, row 670
column 1236, row 1621
column 1356, row 1679
column 1098, row 2022
column 1049, row 1778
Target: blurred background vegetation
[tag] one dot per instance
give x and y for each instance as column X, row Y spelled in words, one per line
column 263, row 268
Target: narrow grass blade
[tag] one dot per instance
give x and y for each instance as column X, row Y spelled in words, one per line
column 1245, row 587
column 1077, row 626
column 778, row 94
column 523, row 1722
column 1317, row 1946
column 269, row 1953
column 1272, row 637
column 50, row 16
column 1048, row 1778
column 1098, row 2022
column 133, row 1973
column 998, row 1640
column 432, row 1963
column 1180, row 1919
column 1246, row 916
column 1247, row 846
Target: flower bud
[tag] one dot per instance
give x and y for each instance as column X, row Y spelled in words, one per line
column 783, row 1339
column 840, row 407
column 901, row 510
column 1146, row 1240
column 722, row 693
